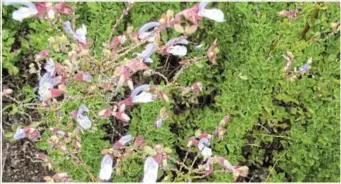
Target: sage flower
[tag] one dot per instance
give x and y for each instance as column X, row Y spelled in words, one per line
column 50, row 67
column 213, row 14
column 143, row 97
column 79, row 35
column 173, row 47
column 150, row 170
column 106, row 168
column 202, row 145
column 143, row 31
column 26, row 11
column 19, row 134
column 205, row 151
column 158, row 123
column 46, row 89
column 196, row 13
column 304, row 69
column 179, row 40
column 47, row 78
column 163, row 116
column 148, row 51
column 29, row 132
column 140, row 95
column 32, row 133
column 83, row 120
column 122, row 141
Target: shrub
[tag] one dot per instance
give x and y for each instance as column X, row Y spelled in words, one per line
column 272, row 67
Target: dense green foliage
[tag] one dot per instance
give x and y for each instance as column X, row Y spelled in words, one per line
column 289, row 128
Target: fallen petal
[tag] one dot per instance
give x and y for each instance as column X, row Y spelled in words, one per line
column 106, row 168
column 213, row 14
column 150, row 170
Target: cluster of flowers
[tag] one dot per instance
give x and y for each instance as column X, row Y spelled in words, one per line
column 54, row 84
column 202, row 142
column 38, row 9
column 120, row 150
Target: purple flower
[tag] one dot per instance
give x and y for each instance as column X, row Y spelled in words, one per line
column 50, row 67
column 178, row 40
column 148, row 51
column 87, row 77
column 79, row 35
column 303, row 69
column 158, row 123
column 140, row 94
column 46, row 78
column 203, row 146
column 123, row 141
column 172, row 47
column 106, row 168
column 46, row 83
column 83, row 120
column 143, row 31
column 19, row 134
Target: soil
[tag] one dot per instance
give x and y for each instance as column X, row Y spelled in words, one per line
column 20, row 163
column 16, row 83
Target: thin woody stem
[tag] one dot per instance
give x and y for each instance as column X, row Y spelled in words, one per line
column 184, row 160
column 118, row 21
column 92, row 177
column 74, row 7
column 179, row 163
